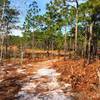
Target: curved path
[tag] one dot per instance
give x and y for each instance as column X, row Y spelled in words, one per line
column 43, row 84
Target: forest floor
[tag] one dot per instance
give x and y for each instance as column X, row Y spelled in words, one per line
column 53, row 79
column 85, row 81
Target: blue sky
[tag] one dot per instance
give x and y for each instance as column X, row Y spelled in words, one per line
column 22, row 6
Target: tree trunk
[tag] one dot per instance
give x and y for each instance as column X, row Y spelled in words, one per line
column 70, row 47
column 1, row 53
column 85, row 44
column 76, row 31
column 89, row 43
column 94, row 46
column 21, row 54
column 85, row 48
column 6, row 41
column 65, row 44
column 33, row 46
column 52, row 46
column 2, row 35
column 76, row 28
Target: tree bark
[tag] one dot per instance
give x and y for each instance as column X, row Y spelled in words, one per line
column 89, row 43
column 65, row 44
column 21, row 54
column 2, row 35
column 76, row 31
column 76, row 28
column 52, row 46
column 33, row 46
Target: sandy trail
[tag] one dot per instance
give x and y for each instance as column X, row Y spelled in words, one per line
column 38, row 81
column 44, row 84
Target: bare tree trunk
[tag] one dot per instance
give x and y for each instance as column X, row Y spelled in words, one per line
column 22, row 54
column 70, row 47
column 85, row 49
column 2, row 35
column 76, row 31
column 89, row 43
column 6, row 40
column 76, row 28
column 65, row 44
column 1, row 53
column 52, row 46
column 33, row 46
column 85, row 45
column 94, row 45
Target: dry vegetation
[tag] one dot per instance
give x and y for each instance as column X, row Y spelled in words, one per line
column 84, row 80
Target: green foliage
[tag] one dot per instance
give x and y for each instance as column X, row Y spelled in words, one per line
column 32, row 16
column 47, row 28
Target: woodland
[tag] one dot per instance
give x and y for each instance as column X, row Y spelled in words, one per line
column 57, row 56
